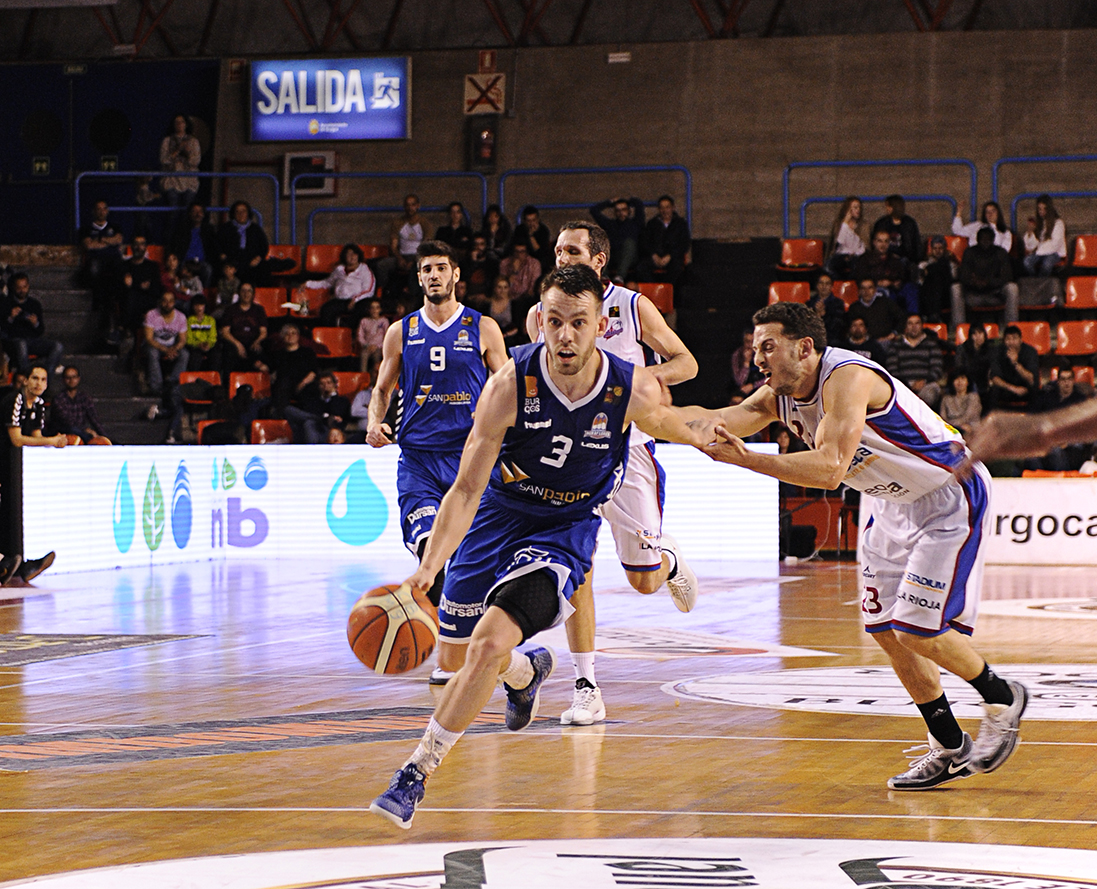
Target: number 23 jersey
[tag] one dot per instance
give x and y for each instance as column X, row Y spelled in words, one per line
column 562, row 458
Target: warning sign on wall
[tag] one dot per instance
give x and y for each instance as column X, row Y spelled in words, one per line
column 485, row 93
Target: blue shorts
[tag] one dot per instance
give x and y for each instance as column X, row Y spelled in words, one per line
column 422, row 479
column 502, row 544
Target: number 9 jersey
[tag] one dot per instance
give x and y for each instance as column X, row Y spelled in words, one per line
column 442, row 373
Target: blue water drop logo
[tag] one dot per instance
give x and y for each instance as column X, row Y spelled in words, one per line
column 181, row 509
column 214, row 478
column 357, row 512
column 124, row 515
column 255, row 474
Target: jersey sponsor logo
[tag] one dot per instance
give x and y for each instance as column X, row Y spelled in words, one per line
column 926, row 582
column 551, row 495
column 466, row 321
column 460, row 609
column 920, row 601
column 613, row 394
column 539, row 424
column 413, row 325
column 424, row 393
column 598, row 427
column 616, row 328
column 511, row 474
column 862, row 459
column 463, row 343
column 422, row 512
column 531, row 387
column 533, row 406
column 614, row 312
column 595, row 445
column 441, row 397
column 528, row 555
column 890, row 489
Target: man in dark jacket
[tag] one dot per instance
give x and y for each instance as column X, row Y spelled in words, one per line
column 623, row 221
column 987, row 279
column 194, row 240
column 665, row 245
column 1014, row 372
column 906, row 240
column 23, row 328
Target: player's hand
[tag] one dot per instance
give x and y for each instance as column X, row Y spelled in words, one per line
column 60, row 441
column 1003, row 436
column 727, row 448
column 378, row 436
column 705, row 427
column 421, row 580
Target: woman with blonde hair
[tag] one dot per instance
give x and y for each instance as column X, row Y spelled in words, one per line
column 848, row 237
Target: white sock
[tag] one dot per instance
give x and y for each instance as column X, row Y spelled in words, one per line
column 584, row 665
column 519, row 672
column 436, row 743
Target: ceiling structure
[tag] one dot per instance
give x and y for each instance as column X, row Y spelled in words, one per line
column 47, row 30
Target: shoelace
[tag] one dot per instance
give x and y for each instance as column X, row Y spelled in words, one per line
column 917, row 758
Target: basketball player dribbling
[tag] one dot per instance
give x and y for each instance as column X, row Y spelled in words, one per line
column 441, row 355
column 635, row 514
column 922, row 552
column 549, row 443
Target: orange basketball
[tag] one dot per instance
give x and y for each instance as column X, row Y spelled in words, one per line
column 99, row 440
column 392, row 629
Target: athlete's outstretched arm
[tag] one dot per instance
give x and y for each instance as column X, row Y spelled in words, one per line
column 847, row 395
column 749, row 416
column 491, row 340
column 1003, row 436
column 647, row 410
column 496, row 412
column 678, row 364
column 377, row 430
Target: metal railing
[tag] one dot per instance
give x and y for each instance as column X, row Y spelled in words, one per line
column 909, row 198
column 904, row 162
column 578, row 171
column 374, row 209
column 1035, row 159
column 133, row 174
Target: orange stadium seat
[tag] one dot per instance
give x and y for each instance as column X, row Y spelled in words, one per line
column 1085, row 251
column 191, row 376
column 286, row 251
column 956, row 244
column 322, row 258
column 962, row 332
column 1037, row 334
column 1076, row 338
column 1081, row 293
column 1083, row 373
column 271, row 432
column 351, row 382
column 334, row 342
column 802, row 253
column 374, row 251
column 789, row 292
column 846, row 291
column 940, row 329
column 155, row 252
column 272, row 300
column 259, row 382
column 660, row 293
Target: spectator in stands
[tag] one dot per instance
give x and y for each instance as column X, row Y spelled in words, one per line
column 987, row 278
column 320, row 408
column 478, row 271
column 1014, row 373
column 1060, row 393
column 190, row 285
column 352, row 286
column 745, row 375
column 244, row 329
column 915, row 360
column 73, row 411
column 24, row 413
column 180, row 154
column 396, row 272
column 371, row 337
column 888, row 271
column 623, row 220
column 1045, row 239
column 226, row 292
column 359, row 411
column 858, row 340
column 457, row 232
column 292, row 368
column 849, row 236
column 882, row 316
column 665, row 245
column 1090, row 466
column 102, row 270
column 992, row 216
column 975, row 355
column 166, row 340
column 906, row 240
column 536, row 236
column 496, row 231
column 830, row 308
column 939, row 276
column 521, row 271
column 201, row 337
column 961, row 408
column 141, row 287
column 169, row 277
column 194, row 240
column 243, row 242
column 143, row 197
column 501, row 311
column 23, row 328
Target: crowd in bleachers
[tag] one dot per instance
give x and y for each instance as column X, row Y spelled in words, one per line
column 972, row 321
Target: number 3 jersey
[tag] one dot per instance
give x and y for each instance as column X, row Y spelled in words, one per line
column 905, row 451
column 442, row 373
column 562, row 458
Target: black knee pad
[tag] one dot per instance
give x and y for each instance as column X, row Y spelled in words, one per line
column 531, row 600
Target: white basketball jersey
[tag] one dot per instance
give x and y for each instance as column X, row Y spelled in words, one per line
column 905, row 451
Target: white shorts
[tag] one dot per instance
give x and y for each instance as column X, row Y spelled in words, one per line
column 635, row 514
column 922, row 562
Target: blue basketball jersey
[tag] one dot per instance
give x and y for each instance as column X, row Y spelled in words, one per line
column 561, row 458
column 441, row 376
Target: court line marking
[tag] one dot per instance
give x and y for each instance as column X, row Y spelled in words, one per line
column 676, row 813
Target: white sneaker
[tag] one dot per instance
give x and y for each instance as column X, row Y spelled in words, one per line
column 939, row 766
column 683, row 583
column 998, row 733
column 438, row 676
column 586, row 705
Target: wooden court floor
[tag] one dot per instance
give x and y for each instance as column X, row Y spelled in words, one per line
column 248, row 765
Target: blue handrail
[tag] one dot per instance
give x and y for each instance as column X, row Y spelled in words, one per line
column 1035, row 159
column 375, row 209
column 575, row 171
column 98, row 174
column 949, row 199
column 457, row 174
column 904, row 162
column 1025, row 195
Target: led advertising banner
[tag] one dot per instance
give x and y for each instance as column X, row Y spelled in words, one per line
column 130, row 506
column 324, row 99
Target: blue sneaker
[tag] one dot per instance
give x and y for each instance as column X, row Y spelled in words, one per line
column 522, row 703
column 404, row 794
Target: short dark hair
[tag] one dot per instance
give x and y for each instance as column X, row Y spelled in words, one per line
column 329, row 375
column 19, row 276
column 456, row 204
column 1012, row 328
column 665, row 197
column 354, row 248
column 897, row 204
column 530, row 210
column 797, row 321
column 435, row 248
column 197, row 300
column 599, row 240
column 38, row 366
column 71, row 367
column 574, row 281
